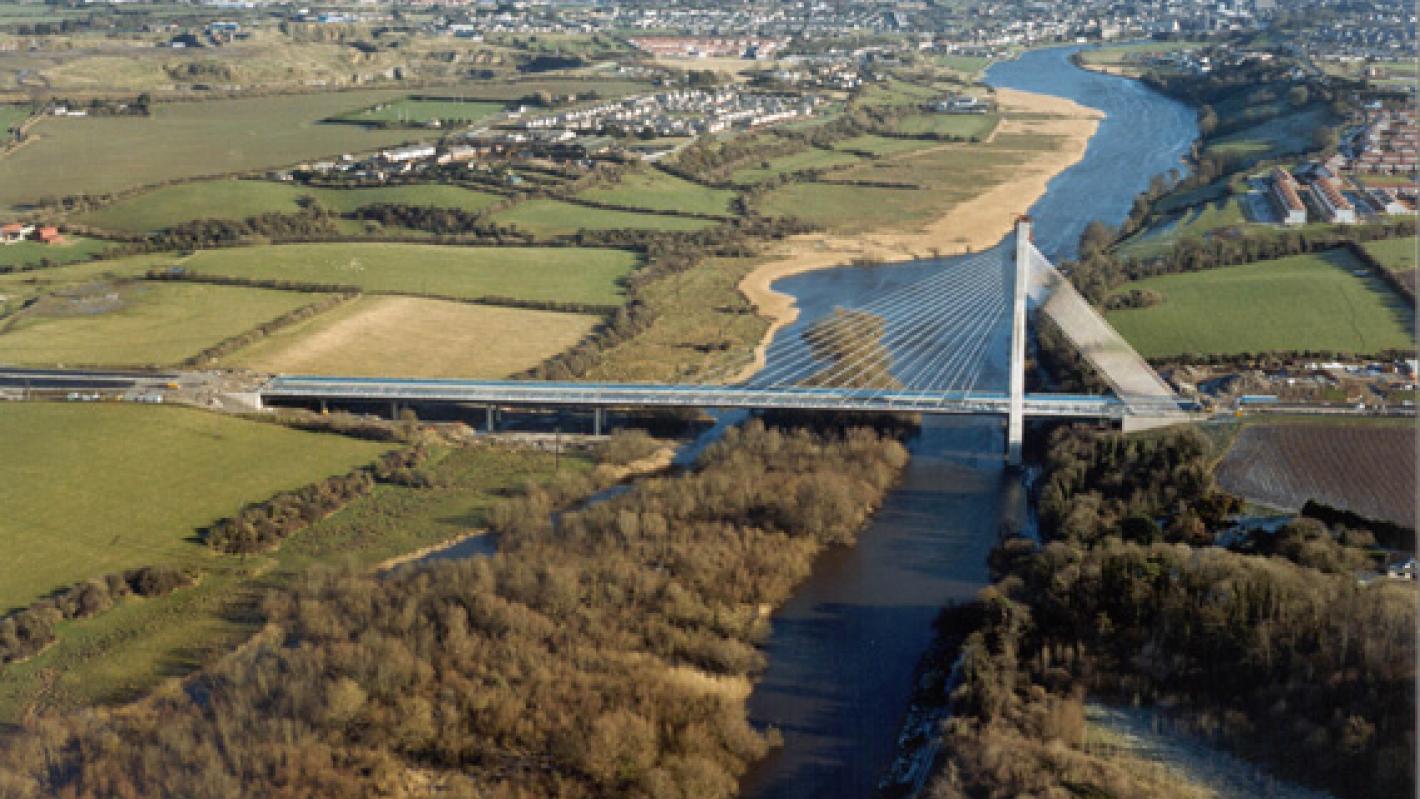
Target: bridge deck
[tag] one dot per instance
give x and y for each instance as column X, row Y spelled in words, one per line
column 602, row 395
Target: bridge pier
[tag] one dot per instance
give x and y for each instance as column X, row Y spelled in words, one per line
column 490, row 419
column 598, row 420
column 1016, row 410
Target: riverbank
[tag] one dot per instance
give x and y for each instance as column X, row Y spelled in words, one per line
column 974, row 225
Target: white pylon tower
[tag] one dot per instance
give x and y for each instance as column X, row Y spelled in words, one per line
column 1015, row 417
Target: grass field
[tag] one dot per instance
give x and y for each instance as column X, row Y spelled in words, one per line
column 882, row 145
column 555, row 218
column 1194, row 223
column 1396, row 254
column 1309, row 302
column 961, row 125
column 1283, row 135
column 238, row 199
column 138, row 323
column 105, row 487
column 94, row 155
column 658, row 191
column 409, row 337
column 946, row 174
column 32, row 253
column 530, row 273
column 1122, row 53
column 410, row 110
column 11, row 116
column 125, row 651
column 794, row 162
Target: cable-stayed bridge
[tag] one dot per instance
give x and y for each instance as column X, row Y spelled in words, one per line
column 953, row 342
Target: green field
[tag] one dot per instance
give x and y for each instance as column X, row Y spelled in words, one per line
column 960, row 125
column 1193, row 223
column 238, row 199
column 1394, row 254
column 794, row 162
column 94, row 155
column 417, row 112
column 662, row 192
column 138, row 323
column 1283, row 135
column 1307, row 302
column 106, row 487
column 1121, row 53
column 531, row 273
column 882, row 145
column 555, row 218
column 129, row 649
column 963, row 63
column 945, row 174
column 11, row 116
column 33, row 253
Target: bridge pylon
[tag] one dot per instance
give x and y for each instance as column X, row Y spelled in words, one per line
column 1016, row 410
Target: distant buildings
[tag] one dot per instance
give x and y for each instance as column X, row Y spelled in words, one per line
column 16, row 232
column 708, row 46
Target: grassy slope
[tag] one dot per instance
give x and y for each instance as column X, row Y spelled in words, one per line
column 534, row 273
column 97, row 154
column 659, row 191
column 1303, row 302
column 963, row 125
column 238, row 199
column 410, row 337
column 108, row 487
column 155, row 323
column 553, row 218
column 1397, row 254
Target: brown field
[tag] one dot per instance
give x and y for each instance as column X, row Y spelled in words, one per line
column 409, row 337
column 1367, row 469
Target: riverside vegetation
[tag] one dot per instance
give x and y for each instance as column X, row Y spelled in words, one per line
column 1273, row 649
column 605, row 652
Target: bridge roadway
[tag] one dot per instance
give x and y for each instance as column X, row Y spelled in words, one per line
column 625, row 395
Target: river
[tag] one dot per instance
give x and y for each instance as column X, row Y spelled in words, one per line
column 844, row 648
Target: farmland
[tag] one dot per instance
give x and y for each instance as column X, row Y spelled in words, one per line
column 662, row 192
column 238, row 199
column 137, row 323
column 795, row 162
column 131, row 648
column 963, row 126
column 33, row 253
column 410, row 337
column 1309, row 302
column 95, row 155
column 149, row 478
column 415, row 111
column 556, row 218
column 1196, row 222
column 528, row 273
column 1368, row 469
column 1283, row 135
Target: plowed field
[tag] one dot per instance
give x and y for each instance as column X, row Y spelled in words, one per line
column 1365, row 469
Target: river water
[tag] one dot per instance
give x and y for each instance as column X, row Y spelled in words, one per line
column 844, row 648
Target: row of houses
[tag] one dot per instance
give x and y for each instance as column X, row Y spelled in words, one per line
column 1319, row 195
column 708, row 46
column 684, row 112
column 16, row 232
